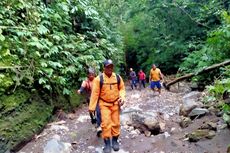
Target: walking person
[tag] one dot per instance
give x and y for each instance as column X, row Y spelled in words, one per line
column 133, row 78
column 141, row 76
column 155, row 77
column 86, row 88
column 109, row 91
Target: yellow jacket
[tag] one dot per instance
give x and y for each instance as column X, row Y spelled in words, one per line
column 109, row 91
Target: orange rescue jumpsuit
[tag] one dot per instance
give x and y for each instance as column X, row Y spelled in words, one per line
column 107, row 97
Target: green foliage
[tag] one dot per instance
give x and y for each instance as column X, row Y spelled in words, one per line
column 75, row 99
column 11, row 103
column 214, row 51
column 219, row 88
column 52, row 46
column 166, row 32
column 217, row 91
column 5, row 82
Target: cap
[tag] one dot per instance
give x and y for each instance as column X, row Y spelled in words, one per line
column 91, row 70
column 108, row 62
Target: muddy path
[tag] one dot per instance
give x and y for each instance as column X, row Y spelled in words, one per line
column 76, row 134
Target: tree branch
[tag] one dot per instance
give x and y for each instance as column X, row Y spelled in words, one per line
column 207, row 69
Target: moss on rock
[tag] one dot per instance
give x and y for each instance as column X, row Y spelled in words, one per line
column 23, row 114
column 26, row 114
column 200, row 134
column 10, row 103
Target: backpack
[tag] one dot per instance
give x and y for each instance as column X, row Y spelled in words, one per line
column 118, row 81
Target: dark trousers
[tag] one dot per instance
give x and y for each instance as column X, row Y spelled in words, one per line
column 98, row 115
column 133, row 83
column 142, row 82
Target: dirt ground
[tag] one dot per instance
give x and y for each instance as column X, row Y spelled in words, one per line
column 80, row 133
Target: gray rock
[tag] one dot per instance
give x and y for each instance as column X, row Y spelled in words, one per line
column 194, row 86
column 211, row 134
column 166, row 134
column 190, row 101
column 145, row 122
column 162, row 126
column 193, row 95
column 147, row 133
column 55, row 145
column 210, row 126
column 198, row 111
column 185, row 121
column 59, row 128
column 223, row 126
column 151, row 123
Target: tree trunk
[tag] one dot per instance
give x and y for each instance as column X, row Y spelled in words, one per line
column 207, row 69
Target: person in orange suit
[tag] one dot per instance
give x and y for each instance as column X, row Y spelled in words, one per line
column 110, row 95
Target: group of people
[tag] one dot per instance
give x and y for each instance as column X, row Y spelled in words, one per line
column 155, row 76
column 134, row 79
column 105, row 96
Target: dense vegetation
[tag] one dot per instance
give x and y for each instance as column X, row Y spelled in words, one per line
column 166, row 32
column 179, row 36
column 171, row 32
column 44, row 53
column 51, row 46
column 46, row 47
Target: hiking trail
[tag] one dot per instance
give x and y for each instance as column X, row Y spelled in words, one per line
column 149, row 123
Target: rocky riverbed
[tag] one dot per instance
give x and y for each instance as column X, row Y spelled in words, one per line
column 150, row 122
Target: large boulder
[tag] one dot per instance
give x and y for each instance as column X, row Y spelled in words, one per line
column 190, row 101
column 193, row 95
column 146, row 122
column 126, row 116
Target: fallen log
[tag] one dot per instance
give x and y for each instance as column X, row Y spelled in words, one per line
column 207, row 69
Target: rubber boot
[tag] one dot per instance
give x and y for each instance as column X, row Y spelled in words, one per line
column 115, row 144
column 107, row 148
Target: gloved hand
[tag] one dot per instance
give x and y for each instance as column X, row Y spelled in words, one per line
column 92, row 117
column 93, row 120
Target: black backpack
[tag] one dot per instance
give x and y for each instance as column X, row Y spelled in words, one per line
column 118, row 81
